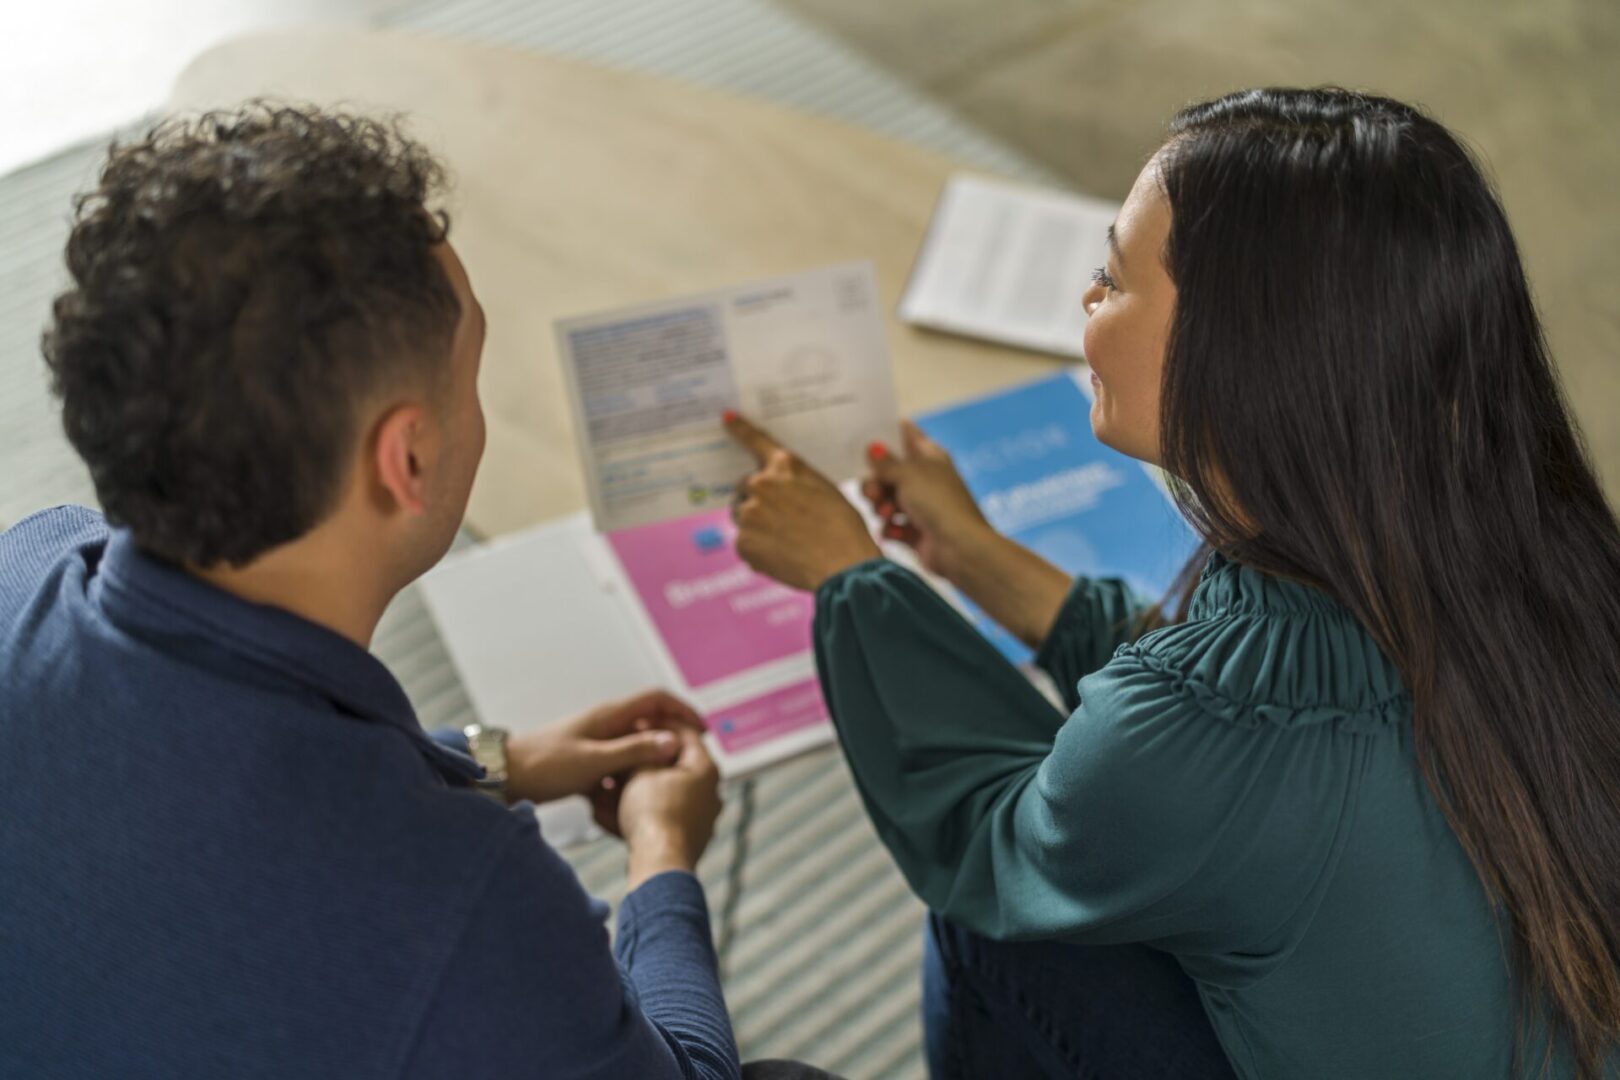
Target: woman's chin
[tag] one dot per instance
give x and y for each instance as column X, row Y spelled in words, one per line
column 1107, row 434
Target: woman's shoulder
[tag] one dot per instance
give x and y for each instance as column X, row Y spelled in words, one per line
column 1257, row 649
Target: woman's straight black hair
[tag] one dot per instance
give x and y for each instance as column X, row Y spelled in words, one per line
column 1357, row 394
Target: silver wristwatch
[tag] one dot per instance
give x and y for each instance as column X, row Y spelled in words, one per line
column 487, row 745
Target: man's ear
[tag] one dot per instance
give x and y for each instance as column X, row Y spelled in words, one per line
column 402, row 454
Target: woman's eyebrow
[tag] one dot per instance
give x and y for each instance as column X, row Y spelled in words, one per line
column 1113, row 245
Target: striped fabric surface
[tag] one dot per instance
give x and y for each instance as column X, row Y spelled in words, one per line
column 821, row 937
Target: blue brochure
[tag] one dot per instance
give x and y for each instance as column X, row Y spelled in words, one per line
column 1042, row 478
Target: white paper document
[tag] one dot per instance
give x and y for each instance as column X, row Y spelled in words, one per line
column 549, row 622
column 1009, row 263
column 530, row 624
column 803, row 356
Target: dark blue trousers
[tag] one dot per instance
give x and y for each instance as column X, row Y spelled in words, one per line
column 1005, row 1010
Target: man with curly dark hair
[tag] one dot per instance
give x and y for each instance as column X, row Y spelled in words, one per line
column 230, row 849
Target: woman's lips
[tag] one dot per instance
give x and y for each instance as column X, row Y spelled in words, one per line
column 1096, row 383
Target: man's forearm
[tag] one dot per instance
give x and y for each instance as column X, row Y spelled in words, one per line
column 1013, row 585
column 651, row 857
column 664, row 946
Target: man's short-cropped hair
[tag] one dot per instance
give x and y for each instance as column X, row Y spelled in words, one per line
column 242, row 283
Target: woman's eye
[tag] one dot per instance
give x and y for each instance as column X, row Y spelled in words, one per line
column 1100, row 276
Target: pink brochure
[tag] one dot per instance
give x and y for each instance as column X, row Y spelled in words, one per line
column 718, row 619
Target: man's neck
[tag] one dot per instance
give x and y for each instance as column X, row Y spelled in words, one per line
column 315, row 577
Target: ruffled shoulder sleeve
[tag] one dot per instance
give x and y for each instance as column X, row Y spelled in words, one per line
column 1259, row 650
column 1097, row 617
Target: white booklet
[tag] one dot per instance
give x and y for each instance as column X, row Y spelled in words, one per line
column 803, row 356
column 1009, row 263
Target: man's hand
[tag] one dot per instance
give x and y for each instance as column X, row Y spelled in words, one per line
column 667, row 815
column 575, row 757
column 793, row 524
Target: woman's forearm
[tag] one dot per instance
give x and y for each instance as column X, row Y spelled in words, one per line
column 1013, row 585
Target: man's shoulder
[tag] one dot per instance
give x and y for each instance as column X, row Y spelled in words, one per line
column 33, row 546
column 45, row 535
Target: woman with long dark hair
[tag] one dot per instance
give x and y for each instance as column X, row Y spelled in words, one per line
column 1351, row 810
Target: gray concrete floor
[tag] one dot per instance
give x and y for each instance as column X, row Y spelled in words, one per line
column 1084, row 87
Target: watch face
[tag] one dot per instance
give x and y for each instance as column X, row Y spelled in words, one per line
column 488, row 747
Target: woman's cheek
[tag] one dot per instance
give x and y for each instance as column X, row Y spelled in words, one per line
column 1097, row 344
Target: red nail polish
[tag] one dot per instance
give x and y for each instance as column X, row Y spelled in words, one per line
column 729, row 415
column 877, row 451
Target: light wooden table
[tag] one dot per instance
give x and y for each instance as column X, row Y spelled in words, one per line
column 579, row 188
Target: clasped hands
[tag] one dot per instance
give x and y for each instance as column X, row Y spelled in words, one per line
column 641, row 763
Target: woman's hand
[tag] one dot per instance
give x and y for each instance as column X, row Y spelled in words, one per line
column 924, row 503
column 793, row 525
column 575, row 757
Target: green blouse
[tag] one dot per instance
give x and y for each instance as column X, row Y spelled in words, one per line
column 1239, row 790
